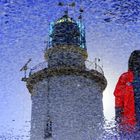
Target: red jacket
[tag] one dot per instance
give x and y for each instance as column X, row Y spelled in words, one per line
column 124, row 98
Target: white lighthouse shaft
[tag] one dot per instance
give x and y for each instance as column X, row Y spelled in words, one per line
column 75, row 108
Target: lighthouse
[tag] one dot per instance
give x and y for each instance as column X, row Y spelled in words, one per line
column 66, row 95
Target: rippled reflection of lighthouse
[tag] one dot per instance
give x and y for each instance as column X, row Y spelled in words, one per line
column 66, row 95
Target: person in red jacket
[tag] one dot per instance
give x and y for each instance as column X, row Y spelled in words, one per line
column 127, row 96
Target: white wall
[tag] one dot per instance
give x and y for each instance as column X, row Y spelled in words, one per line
column 75, row 107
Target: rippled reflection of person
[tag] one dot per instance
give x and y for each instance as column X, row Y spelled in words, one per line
column 127, row 98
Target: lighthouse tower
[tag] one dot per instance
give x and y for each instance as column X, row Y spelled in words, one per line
column 66, row 95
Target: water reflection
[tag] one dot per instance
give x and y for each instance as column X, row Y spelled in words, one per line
column 22, row 23
column 110, row 132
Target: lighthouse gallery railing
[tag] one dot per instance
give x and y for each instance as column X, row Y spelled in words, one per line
column 89, row 66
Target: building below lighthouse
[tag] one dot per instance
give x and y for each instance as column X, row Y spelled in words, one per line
column 66, row 95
